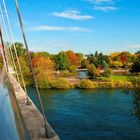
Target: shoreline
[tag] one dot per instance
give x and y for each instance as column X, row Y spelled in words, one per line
column 88, row 84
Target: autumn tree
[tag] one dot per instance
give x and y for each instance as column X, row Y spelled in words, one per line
column 116, row 64
column 92, row 71
column 43, row 65
column 44, row 68
column 73, row 59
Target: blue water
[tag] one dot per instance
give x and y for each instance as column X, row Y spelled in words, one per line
column 82, row 74
column 92, row 114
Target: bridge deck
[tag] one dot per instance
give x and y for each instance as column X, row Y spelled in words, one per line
column 31, row 115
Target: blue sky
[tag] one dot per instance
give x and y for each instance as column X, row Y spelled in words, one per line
column 80, row 25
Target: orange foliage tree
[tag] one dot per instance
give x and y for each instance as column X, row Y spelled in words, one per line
column 72, row 58
column 44, row 68
column 43, row 65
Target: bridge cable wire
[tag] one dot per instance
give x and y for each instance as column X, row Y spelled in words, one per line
column 7, row 44
column 3, row 51
column 47, row 132
column 9, row 47
column 19, row 65
column 7, row 53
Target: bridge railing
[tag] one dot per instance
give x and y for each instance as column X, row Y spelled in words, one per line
column 12, row 125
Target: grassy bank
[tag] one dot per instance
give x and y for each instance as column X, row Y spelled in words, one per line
column 88, row 84
column 120, row 78
column 63, row 83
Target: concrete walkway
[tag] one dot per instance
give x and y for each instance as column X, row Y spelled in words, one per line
column 32, row 117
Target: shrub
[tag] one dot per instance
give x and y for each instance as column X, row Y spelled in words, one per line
column 87, row 84
column 135, row 81
column 60, row 83
column 44, row 83
column 110, row 85
column 128, row 85
column 72, row 68
column 119, row 84
column 106, row 85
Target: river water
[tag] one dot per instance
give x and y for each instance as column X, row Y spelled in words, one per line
column 102, row 114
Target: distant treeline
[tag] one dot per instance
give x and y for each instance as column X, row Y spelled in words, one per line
column 64, row 64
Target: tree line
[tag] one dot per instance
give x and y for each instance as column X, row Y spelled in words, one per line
column 65, row 63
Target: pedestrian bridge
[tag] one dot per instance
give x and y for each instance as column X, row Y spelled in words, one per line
column 19, row 117
column 19, row 121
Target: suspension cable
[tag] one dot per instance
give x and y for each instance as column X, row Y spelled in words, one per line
column 9, row 48
column 3, row 51
column 32, row 70
column 12, row 38
column 7, row 53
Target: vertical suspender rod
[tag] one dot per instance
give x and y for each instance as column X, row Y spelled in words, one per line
column 19, row 66
column 48, row 134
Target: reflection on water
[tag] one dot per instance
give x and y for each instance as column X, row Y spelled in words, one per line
column 100, row 114
column 137, row 103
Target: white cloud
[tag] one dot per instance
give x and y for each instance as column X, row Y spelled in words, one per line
column 103, row 5
column 105, row 8
column 135, row 46
column 59, row 28
column 72, row 14
column 99, row 1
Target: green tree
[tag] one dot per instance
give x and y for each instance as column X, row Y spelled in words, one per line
column 96, row 54
column 61, row 62
column 25, row 70
column 97, row 59
column 19, row 47
column 44, row 54
column 80, row 56
column 107, row 73
column 84, row 63
column 105, row 65
column 135, row 66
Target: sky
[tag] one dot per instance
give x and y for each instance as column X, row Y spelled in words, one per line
column 79, row 25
